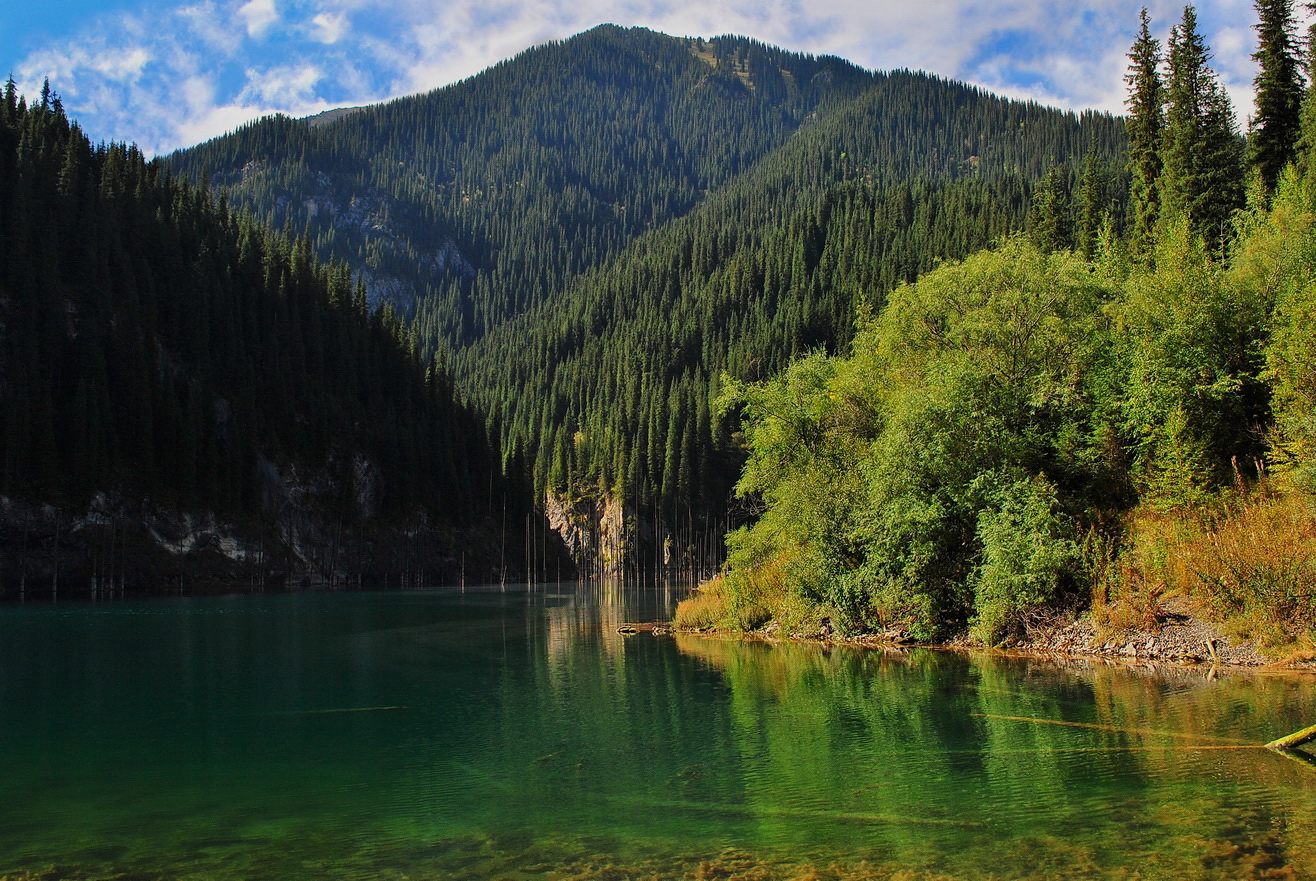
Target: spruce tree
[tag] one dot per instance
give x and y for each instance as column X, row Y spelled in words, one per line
column 1221, row 170
column 1307, row 111
column 1202, row 175
column 1051, row 218
column 1272, row 142
column 1145, row 126
column 1092, row 208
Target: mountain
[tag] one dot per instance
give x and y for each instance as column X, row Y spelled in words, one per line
column 485, row 196
column 592, row 233
column 187, row 396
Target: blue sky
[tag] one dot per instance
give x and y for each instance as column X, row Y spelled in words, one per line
column 170, row 73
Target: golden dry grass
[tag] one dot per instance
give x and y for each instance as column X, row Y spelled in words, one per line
column 1249, row 562
column 749, row 600
column 704, row 609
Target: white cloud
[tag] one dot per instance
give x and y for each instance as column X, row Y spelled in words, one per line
column 259, row 16
column 207, row 24
column 198, row 95
column 216, row 120
column 125, row 64
column 288, row 87
column 65, row 68
column 328, row 27
column 167, row 78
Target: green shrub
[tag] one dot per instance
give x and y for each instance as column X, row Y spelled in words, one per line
column 1028, row 549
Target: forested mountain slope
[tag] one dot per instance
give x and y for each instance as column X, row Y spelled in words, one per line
column 612, row 379
column 593, row 232
column 483, row 197
column 165, row 362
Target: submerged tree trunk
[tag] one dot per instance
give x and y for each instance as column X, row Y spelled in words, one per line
column 1297, row 738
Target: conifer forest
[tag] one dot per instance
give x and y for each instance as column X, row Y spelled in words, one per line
column 858, row 351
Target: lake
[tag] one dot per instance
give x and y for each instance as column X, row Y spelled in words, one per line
column 513, row 733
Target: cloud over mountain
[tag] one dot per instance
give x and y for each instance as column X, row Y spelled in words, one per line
column 170, row 75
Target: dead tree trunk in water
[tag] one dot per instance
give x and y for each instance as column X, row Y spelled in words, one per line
column 54, row 589
column 22, row 560
column 1297, row 738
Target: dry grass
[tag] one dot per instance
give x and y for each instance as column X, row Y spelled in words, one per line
column 1129, row 587
column 1250, row 562
column 705, row 608
column 749, row 600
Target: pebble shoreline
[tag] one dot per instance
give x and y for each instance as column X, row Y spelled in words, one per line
column 1179, row 637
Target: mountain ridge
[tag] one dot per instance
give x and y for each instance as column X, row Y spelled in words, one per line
column 490, row 214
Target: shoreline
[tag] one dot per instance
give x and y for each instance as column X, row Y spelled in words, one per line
column 1179, row 638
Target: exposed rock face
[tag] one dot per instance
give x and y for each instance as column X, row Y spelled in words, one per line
column 118, row 544
column 724, row 87
column 618, row 530
column 251, row 169
column 365, row 486
column 301, row 537
column 371, row 216
column 594, row 529
column 572, row 520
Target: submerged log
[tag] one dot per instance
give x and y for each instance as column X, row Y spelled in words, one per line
column 1297, row 738
column 1307, row 761
column 657, row 628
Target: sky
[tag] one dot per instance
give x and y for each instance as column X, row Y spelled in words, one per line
column 167, row 74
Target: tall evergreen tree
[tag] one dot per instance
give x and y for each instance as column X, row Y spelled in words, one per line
column 1222, row 171
column 1272, row 142
column 1145, row 125
column 1307, row 110
column 1093, row 205
column 1202, row 177
column 1051, row 218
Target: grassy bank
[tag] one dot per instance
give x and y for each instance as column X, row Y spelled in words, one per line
column 1243, row 560
column 1247, row 561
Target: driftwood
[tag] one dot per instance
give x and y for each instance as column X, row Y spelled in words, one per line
column 1297, row 738
column 1287, row 747
column 657, row 628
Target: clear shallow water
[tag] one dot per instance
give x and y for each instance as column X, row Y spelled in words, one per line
column 515, row 734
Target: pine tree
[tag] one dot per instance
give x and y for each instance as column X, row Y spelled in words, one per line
column 1221, row 171
column 1184, row 95
column 1307, row 111
column 1145, row 125
column 1051, row 220
column 1202, row 177
column 1093, row 207
column 1272, row 142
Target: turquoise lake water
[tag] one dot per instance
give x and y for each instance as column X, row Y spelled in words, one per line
column 510, row 734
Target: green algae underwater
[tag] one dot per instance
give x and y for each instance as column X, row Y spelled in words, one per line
column 513, row 733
